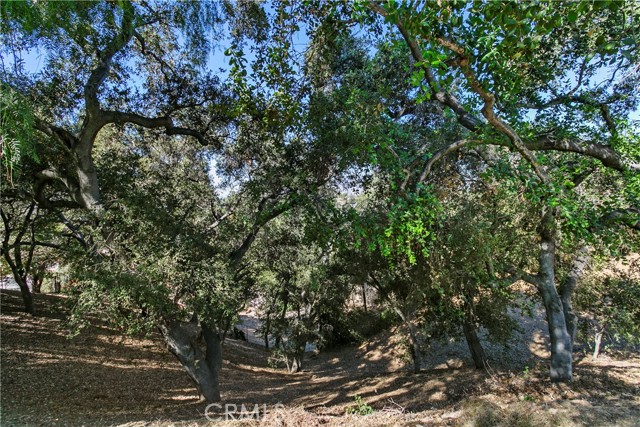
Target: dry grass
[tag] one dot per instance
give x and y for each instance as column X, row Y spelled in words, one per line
column 103, row 379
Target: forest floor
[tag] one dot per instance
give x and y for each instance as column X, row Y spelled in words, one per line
column 101, row 378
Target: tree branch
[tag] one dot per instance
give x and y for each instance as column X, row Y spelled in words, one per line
column 440, row 154
column 606, row 155
column 165, row 122
column 100, row 73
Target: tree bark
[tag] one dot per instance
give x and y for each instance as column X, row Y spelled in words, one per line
column 561, row 342
column 183, row 340
column 27, row 297
column 364, row 296
column 597, row 343
column 417, row 353
column 267, row 329
column 294, row 363
column 578, row 268
column 475, row 347
column 38, row 278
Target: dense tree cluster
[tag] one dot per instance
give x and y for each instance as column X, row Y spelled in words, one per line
column 437, row 152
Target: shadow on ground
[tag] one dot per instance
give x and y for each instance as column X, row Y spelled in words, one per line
column 102, row 378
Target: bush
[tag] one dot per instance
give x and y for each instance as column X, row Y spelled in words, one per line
column 356, row 326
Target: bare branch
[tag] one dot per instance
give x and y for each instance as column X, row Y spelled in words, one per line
column 165, row 122
column 440, row 154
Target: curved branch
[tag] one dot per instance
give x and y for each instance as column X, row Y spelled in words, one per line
column 604, row 154
column 440, row 154
column 68, row 140
column 165, row 122
column 100, row 73
column 489, row 102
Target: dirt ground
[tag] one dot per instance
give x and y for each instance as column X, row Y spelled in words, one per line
column 101, row 378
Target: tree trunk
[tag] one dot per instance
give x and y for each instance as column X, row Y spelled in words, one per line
column 283, row 315
column 38, row 278
column 294, row 363
column 561, row 344
column 21, row 280
column 597, row 343
column 227, row 327
column 417, row 353
column 475, row 347
column 267, row 329
column 27, row 297
column 183, row 340
column 364, row 296
column 578, row 268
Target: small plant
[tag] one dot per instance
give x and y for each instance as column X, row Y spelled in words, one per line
column 361, row 408
column 525, row 373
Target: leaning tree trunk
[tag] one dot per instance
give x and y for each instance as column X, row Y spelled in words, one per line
column 416, row 352
column 561, row 341
column 471, row 333
column 27, row 297
column 183, row 340
column 21, row 279
column 475, row 347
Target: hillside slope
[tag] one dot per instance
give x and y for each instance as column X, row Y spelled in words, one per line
column 101, row 378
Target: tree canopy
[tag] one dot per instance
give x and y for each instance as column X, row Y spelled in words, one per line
column 437, row 151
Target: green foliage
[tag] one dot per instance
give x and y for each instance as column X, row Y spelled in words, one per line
column 17, row 135
column 610, row 303
column 406, row 232
column 361, row 407
column 131, row 302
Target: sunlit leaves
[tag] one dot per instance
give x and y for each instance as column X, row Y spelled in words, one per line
column 16, row 131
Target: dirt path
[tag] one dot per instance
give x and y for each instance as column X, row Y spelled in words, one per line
column 101, row 379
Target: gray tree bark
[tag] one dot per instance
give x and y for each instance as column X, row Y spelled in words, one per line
column 597, row 342
column 413, row 336
column 417, row 352
column 561, row 341
column 183, row 340
column 568, row 287
column 475, row 347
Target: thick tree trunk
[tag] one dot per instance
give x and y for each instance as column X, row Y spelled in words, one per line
column 27, row 297
column 183, row 340
column 21, row 280
column 578, row 268
column 475, row 347
column 561, row 342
